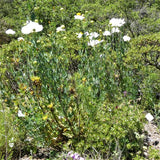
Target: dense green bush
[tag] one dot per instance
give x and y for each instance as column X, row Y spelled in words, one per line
column 143, row 59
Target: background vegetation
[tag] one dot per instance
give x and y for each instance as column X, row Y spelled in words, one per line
column 58, row 92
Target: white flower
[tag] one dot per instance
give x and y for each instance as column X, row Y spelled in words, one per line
column 115, row 30
column 149, row 117
column 31, row 27
column 20, row 114
column 11, row 144
column 10, row 31
column 126, row 38
column 20, row 39
column 101, row 55
column 79, row 35
column 26, row 22
column 106, row 33
column 93, row 35
column 60, row 117
column 93, row 43
column 61, row 9
column 79, row 17
column 86, row 33
column 29, row 139
column 70, row 153
column 116, row 22
column 60, row 29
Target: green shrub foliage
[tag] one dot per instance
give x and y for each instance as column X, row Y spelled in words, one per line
column 70, row 87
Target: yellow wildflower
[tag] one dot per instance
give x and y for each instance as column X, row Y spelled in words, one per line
column 84, row 80
column 36, row 79
column 45, row 117
column 31, row 92
column 116, row 76
column 35, row 62
column 50, row 105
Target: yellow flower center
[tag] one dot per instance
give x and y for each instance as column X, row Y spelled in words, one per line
column 78, row 14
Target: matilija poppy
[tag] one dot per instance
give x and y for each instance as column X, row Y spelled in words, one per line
column 93, row 35
column 116, row 22
column 79, row 35
column 31, row 27
column 20, row 39
column 20, row 114
column 61, row 28
column 126, row 38
column 10, row 31
column 79, row 16
column 106, row 33
column 93, row 43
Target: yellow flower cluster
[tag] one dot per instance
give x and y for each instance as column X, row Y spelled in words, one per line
column 35, row 78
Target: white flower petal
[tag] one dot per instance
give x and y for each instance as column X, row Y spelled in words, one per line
column 20, row 114
column 86, row 33
column 115, row 30
column 79, row 17
column 79, row 35
column 93, row 35
column 117, row 22
column 20, row 39
column 93, row 43
column 10, row 31
column 149, row 117
column 31, row 27
column 126, row 38
column 106, row 33
column 70, row 153
column 11, row 144
column 60, row 29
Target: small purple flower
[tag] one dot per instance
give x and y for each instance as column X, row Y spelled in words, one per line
column 125, row 93
column 75, row 156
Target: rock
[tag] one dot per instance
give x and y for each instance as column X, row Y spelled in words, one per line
column 145, row 154
column 155, row 143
